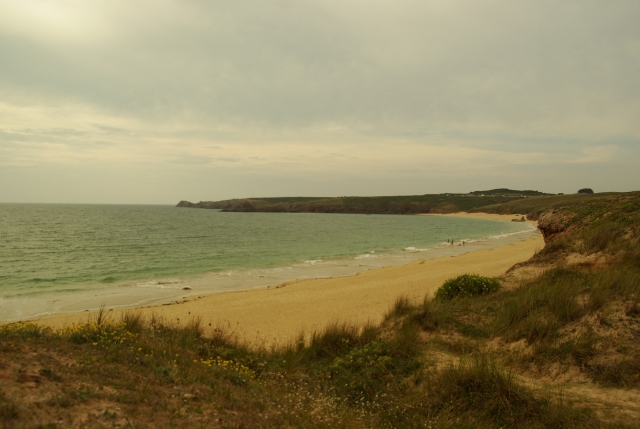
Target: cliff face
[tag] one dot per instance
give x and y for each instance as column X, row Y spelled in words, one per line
column 200, row 205
column 552, row 224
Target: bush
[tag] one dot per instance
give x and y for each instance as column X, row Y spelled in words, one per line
column 466, row 285
column 585, row 191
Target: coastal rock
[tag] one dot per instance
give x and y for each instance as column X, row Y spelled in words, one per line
column 184, row 203
column 552, row 224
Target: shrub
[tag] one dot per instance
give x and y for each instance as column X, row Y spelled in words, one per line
column 585, row 191
column 466, row 285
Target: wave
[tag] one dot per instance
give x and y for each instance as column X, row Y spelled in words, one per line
column 160, row 284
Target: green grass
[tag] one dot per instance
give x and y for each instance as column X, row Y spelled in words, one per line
column 538, row 309
column 534, row 207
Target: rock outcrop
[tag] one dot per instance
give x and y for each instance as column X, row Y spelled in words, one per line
column 552, row 224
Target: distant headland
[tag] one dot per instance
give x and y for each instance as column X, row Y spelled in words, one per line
column 407, row 204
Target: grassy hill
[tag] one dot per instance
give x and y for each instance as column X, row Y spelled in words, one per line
column 408, row 204
column 533, row 207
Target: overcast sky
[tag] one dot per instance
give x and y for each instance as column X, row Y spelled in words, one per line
column 158, row 101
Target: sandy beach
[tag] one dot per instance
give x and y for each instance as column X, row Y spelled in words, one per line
column 490, row 216
column 278, row 314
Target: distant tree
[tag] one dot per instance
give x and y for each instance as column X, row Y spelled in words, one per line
column 585, row 191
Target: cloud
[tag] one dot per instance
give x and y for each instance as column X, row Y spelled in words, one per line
column 276, row 87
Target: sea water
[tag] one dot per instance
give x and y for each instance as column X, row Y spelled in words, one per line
column 63, row 258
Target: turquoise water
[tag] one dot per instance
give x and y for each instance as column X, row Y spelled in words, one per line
column 57, row 250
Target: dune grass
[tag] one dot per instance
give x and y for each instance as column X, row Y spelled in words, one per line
column 157, row 373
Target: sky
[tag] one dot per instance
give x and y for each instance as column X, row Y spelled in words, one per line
column 157, row 101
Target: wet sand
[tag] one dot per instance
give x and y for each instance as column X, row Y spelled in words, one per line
column 277, row 314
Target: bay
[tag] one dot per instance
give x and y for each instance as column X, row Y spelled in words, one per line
column 53, row 257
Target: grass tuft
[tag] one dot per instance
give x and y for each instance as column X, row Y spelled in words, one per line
column 400, row 308
column 101, row 315
column 619, row 373
column 477, row 392
column 334, row 339
column 8, row 408
column 539, row 308
column 603, row 237
column 133, row 321
column 433, row 315
column 479, row 384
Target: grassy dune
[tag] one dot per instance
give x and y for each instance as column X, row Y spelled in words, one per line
column 556, row 346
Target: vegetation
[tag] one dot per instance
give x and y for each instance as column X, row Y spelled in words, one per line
column 477, row 361
column 411, row 204
column 466, row 285
column 574, row 203
column 585, row 191
column 151, row 374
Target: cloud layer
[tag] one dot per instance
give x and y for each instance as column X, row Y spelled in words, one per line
column 159, row 101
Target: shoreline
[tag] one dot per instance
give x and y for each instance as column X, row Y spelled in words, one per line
column 277, row 314
column 487, row 216
column 171, row 289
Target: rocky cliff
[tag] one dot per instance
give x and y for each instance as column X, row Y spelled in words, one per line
column 552, row 224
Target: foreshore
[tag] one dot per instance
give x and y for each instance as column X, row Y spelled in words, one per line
column 278, row 314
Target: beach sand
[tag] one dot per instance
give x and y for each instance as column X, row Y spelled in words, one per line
column 276, row 315
column 490, row 216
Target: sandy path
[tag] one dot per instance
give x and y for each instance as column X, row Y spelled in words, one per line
column 279, row 314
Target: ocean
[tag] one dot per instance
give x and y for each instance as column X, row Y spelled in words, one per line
column 57, row 258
